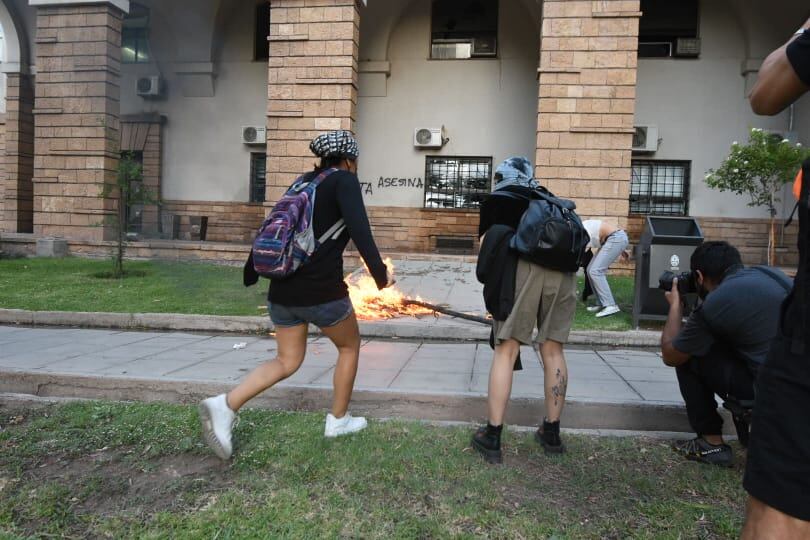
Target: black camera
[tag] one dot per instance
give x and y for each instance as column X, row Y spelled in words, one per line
column 686, row 282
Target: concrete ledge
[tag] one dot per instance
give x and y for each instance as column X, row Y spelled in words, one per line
column 430, row 330
column 373, row 403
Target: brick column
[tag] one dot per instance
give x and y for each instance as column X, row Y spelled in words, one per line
column 588, row 61
column 18, row 197
column 76, row 116
column 312, row 81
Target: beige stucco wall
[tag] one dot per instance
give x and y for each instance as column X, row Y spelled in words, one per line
column 701, row 107
column 203, row 156
column 488, row 106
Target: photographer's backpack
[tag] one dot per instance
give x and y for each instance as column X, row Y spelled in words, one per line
column 550, row 233
column 286, row 239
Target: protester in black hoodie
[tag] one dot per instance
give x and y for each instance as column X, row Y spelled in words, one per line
column 540, row 297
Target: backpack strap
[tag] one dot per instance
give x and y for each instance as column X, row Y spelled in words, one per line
column 300, row 183
column 792, row 215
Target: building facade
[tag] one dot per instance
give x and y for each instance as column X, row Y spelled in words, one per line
column 623, row 106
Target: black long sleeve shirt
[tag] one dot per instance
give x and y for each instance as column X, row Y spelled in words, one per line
column 502, row 210
column 320, row 279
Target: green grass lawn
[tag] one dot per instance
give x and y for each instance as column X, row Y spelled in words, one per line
column 182, row 287
column 166, row 287
column 623, row 288
column 98, row 469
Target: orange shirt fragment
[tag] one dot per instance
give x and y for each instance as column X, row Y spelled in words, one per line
column 797, row 185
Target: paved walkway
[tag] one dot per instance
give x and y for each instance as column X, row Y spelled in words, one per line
column 605, row 376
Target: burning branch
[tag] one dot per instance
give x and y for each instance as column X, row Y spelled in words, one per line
column 446, row 311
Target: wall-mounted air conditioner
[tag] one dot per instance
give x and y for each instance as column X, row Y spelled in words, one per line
column 687, row 47
column 645, row 139
column 483, row 47
column 428, row 137
column 149, row 86
column 254, row 135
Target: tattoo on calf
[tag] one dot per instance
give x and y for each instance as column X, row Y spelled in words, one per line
column 559, row 389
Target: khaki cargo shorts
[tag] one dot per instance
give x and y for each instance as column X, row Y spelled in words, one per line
column 545, row 298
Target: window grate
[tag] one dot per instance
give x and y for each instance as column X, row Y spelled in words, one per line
column 133, row 212
column 660, row 188
column 258, row 176
column 455, row 244
column 454, row 182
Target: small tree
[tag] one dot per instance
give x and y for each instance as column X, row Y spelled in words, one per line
column 127, row 190
column 760, row 169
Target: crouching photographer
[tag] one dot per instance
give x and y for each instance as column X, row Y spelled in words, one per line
column 722, row 343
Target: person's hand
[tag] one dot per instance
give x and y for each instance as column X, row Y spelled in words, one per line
column 625, row 255
column 389, row 278
column 674, row 295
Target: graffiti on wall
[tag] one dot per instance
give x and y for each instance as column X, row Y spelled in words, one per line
column 384, row 183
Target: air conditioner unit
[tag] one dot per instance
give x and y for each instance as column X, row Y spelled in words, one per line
column 149, row 86
column 484, row 47
column 645, row 139
column 428, row 137
column 687, row 47
column 254, row 135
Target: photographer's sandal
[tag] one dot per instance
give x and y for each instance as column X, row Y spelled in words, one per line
column 698, row 449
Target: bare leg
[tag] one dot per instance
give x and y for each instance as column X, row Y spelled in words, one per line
column 292, row 346
column 556, row 378
column 500, row 379
column 763, row 522
column 346, row 337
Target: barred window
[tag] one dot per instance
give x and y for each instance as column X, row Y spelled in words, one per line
column 660, row 188
column 258, row 176
column 457, row 182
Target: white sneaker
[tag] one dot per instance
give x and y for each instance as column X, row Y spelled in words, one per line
column 593, row 309
column 336, row 427
column 217, row 421
column 607, row 311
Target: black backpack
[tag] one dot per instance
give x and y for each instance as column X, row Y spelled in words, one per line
column 550, row 233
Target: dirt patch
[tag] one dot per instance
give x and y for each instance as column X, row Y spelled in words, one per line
column 125, row 483
column 121, row 483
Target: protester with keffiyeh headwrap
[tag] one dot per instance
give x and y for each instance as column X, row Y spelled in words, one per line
column 314, row 294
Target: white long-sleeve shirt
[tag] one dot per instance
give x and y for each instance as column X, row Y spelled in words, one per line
column 593, row 226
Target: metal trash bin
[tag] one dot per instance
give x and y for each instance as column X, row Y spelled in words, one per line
column 667, row 244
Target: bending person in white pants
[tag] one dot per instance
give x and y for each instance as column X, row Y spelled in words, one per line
column 611, row 244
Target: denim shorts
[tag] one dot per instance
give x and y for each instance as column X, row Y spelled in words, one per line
column 321, row 315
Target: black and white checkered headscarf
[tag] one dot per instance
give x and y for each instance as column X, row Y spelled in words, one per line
column 340, row 144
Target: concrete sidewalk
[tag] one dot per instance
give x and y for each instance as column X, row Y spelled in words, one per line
column 609, row 389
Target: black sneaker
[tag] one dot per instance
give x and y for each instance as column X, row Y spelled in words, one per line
column 698, row 449
column 487, row 442
column 549, row 437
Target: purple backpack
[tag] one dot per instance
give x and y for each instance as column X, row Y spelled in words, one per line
column 286, row 239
